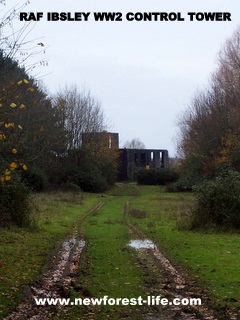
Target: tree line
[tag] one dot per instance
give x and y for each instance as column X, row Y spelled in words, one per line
column 209, row 128
column 39, row 130
column 41, row 142
column 209, row 143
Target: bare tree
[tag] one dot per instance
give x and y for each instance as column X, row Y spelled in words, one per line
column 15, row 41
column 80, row 112
column 135, row 143
column 210, row 128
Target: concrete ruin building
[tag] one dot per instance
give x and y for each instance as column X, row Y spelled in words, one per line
column 130, row 159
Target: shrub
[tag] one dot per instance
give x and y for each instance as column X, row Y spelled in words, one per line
column 15, row 203
column 35, row 179
column 183, row 184
column 70, row 186
column 218, row 202
column 86, row 180
column 160, row 176
column 91, row 181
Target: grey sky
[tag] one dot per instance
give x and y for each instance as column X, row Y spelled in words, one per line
column 144, row 73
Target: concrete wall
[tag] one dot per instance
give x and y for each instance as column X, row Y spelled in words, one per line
column 130, row 159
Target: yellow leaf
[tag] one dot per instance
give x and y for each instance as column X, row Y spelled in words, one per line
column 14, row 150
column 7, row 172
column 13, row 165
column 20, row 82
column 7, row 178
column 20, row 127
column 26, row 81
column 10, row 124
column 1, row 105
column 22, row 106
column 31, row 89
column 24, row 167
column 2, row 179
column 13, row 105
column 2, row 136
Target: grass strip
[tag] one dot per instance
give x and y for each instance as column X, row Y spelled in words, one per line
column 111, row 267
column 24, row 252
column 211, row 257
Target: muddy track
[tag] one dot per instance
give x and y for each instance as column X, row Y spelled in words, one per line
column 56, row 281
column 161, row 278
column 171, row 282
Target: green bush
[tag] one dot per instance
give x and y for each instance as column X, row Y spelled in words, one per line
column 183, row 184
column 91, row 171
column 35, row 179
column 15, row 203
column 70, row 186
column 91, row 181
column 86, row 178
column 218, row 202
column 160, row 176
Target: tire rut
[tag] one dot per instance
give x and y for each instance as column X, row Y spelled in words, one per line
column 56, row 281
column 170, row 282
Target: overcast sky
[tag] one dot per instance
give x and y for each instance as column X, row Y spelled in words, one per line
column 144, row 73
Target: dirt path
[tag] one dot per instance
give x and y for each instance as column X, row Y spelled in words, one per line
column 162, row 278
column 56, row 281
column 173, row 283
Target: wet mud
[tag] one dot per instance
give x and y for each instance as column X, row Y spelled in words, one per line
column 54, row 283
column 162, row 278
column 172, row 282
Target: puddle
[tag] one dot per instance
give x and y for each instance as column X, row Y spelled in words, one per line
column 142, row 244
column 148, row 244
